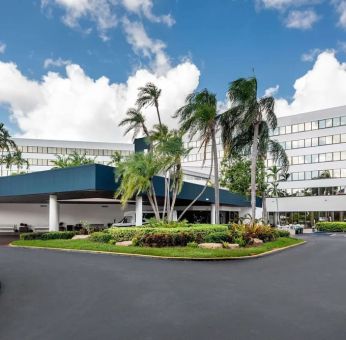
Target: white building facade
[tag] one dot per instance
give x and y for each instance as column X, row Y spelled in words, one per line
column 315, row 143
column 40, row 153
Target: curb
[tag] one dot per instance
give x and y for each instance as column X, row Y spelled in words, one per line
column 231, row 258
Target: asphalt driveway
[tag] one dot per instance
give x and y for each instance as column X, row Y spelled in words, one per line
column 296, row 294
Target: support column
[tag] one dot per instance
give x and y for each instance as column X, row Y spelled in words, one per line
column 212, row 216
column 139, row 211
column 53, row 213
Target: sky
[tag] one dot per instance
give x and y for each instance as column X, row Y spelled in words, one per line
column 70, row 69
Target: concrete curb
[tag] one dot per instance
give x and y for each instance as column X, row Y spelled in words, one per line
column 231, row 258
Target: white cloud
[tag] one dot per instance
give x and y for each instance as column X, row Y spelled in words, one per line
column 283, row 4
column 2, row 47
column 101, row 12
column 301, row 19
column 104, row 13
column 78, row 107
column 271, row 91
column 323, row 86
column 311, row 55
column 340, row 6
column 145, row 7
column 142, row 44
column 49, row 62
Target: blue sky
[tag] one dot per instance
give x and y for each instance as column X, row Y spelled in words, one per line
column 223, row 39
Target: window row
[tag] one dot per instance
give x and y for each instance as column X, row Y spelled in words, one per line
column 67, row 151
column 315, row 141
column 316, row 158
column 317, row 174
column 322, row 191
column 200, row 156
column 308, row 126
column 49, row 162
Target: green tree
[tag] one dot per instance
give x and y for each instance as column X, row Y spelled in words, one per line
column 74, row 159
column 7, row 146
column 236, row 175
column 135, row 123
column 149, row 96
column 275, row 176
column 198, row 117
column 248, row 114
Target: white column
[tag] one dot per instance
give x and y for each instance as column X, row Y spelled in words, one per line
column 213, row 215
column 139, row 211
column 53, row 213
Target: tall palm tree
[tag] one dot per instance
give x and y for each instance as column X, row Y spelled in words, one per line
column 135, row 122
column 248, row 113
column 19, row 161
column 199, row 117
column 276, row 175
column 7, row 145
column 149, row 96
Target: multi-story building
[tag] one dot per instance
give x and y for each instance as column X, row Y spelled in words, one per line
column 40, row 153
column 315, row 143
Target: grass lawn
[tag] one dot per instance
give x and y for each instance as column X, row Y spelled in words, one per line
column 168, row 251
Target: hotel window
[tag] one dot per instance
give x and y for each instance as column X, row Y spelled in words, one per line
column 336, row 121
column 343, row 155
column 308, row 175
column 314, row 174
column 329, row 140
column 343, row 173
column 307, row 159
column 329, row 157
column 308, row 126
column 314, row 141
column 276, row 132
column 301, row 176
column 294, row 128
column 321, row 124
column 322, row 141
column 314, row 125
column 301, row 143
column 294, row 144
column 336, row 139
column 288, row 145
column 336, row 156
column 24, row 149
column 288, row 129
column 44, row 149
column 343, row 138
column 336, row 173
column 322, row 157
column 314, row 158
column 343, row 120
column 301, row 127
column 295, row 176
column 308, row 142
column 295, row 160
column 282, row 130
column 52, row 150
column 329, row 123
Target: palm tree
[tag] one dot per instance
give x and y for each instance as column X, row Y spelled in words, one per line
column 199, row 117
column 75, row 159
column 19, row 161
column 248, row 113
column 135, row 122
column 276, row 175
column 149, row 96
column 6, row 143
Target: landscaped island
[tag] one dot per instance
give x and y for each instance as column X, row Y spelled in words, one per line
column 179, row 240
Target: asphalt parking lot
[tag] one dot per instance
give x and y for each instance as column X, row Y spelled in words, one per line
column 295, row 294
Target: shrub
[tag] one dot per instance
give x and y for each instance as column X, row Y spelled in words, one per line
column 31, row 236
column 55, row 235
column 163, row 239
column 100, row 236
column 199, row 233
column 154, row 223
column 52, row 235
column 218, row 237
column 263, row 232
column 282, row 233
column 192, row 245
column 331, row 226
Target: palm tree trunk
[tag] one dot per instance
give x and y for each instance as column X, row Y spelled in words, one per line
column 151, row 201
column 264, row 208
column 216, row 178
column 176, row 188
column 158, row 113
column 254, row 153
column 165, row 200
column 200, row 194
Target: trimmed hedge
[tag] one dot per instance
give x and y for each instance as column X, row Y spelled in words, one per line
column 99, row 236
column 218, row 237
column 198, row 233
column 283, row 233
column 52, row 235
column 164, row 239
column 331, row 226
